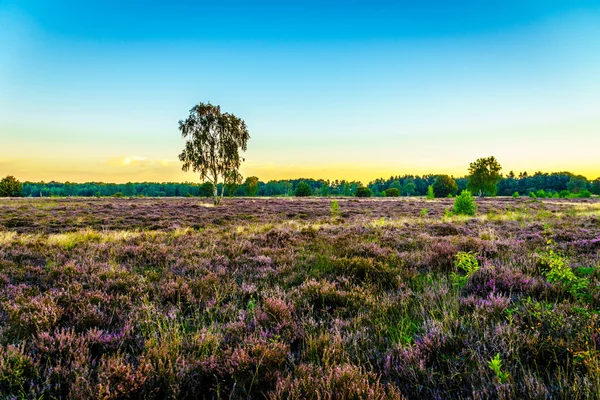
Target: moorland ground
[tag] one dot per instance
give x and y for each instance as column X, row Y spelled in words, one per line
column 287, row 298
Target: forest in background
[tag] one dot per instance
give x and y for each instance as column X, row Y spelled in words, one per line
column 407, row 185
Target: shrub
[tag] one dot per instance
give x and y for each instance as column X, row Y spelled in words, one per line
column 585, row 194
column 464, row 204
column 303, row 190
column 363, row 191
column 430, row 194
column 515, row 195
column 392, row 192
column 541, row 194
column 532, row 195
column 118, row 194
column 335, row 209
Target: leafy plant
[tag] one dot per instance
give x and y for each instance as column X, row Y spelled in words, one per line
column 558, row 271
column 495, row 365
column 515, row 195
column 424, row 212
column 467, row 262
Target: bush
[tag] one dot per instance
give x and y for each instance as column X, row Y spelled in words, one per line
column 564, row 194
column 392, row 192
column 303, row 190
column 585, row 194
column 118, row 194
column 363, row 191
column 335, row 209
column 464, row 204
column 430, row 194
column 515, row 195
column 541, row 194
column 532, row 195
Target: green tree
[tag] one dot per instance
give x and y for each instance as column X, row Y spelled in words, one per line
column 595, row 186
column 409, row 189
column 303, row 189
column 10, row 187
column 392, row 192
column 577, row 183
column 444, row 185
column 251, row 186
column 484, row 175
column 362, row 191
column 212, row 146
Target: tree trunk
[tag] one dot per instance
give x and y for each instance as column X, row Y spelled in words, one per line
column 216, row 199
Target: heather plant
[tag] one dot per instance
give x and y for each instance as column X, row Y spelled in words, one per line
column 270, row 298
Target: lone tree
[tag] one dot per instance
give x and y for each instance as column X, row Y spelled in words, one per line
column 484, row 175
column 10, row 187
column 212, row 147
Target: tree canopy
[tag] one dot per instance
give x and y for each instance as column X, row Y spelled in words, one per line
column 303, row 189
column 444, row 185
column 484, row 175
column 212, row 147
column 10, row 187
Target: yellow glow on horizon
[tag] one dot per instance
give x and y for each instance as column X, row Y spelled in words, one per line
column 139, row 169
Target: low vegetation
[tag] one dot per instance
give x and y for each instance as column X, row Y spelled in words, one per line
column 299, row 298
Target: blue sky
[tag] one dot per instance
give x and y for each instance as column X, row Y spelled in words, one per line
column 354, row 90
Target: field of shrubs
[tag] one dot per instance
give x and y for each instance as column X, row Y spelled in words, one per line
column 299, row 299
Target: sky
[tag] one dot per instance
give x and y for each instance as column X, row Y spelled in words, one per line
column 357, row 90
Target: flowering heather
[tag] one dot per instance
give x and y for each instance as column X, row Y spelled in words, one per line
column 278, row 299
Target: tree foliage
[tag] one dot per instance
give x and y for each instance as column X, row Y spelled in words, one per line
column 484, row 175
column 577, row 184
column 10, row 187
column 303, row 190
column 363, row 191
column 444, row 185
column 212, row 146
column 251, row 186
column 392, row 192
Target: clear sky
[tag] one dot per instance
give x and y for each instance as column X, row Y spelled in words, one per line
column 93, row 90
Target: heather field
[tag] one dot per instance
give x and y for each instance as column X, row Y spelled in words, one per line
column 293, row 299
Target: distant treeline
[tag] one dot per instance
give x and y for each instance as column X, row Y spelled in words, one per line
column 408, row 185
